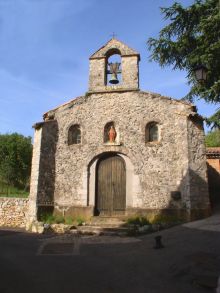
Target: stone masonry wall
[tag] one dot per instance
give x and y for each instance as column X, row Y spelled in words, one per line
column 198, row 181
column 130, row 72
column 13, row 211
column 162, row 167
column 169, row 174
column 129, row 66
column 46, row 179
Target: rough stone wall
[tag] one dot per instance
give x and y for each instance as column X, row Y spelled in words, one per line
column 130, row 75
column 13, row 211
column 161, row 167
column 129, row 66
column 96, row 74
column 158, row 172
column 198, row 182
column 130, row 72
column 46, row 180
column 43, row 168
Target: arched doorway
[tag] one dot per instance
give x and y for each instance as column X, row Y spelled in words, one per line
column 110, row 186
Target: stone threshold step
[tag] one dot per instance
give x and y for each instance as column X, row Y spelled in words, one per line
column 107, row 220
column 106, row 225
column 102, row 230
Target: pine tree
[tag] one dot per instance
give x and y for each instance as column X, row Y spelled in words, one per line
column 192, row 38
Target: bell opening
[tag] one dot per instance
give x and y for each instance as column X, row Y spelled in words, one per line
column 113, row 70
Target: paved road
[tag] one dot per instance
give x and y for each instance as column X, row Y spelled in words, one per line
column 189, row 261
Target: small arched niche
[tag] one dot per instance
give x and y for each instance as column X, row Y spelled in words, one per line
column 74, row 134
column 113, row 67
column 152, row 132
column 111, row 133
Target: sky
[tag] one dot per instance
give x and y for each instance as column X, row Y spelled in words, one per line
column 45, row 47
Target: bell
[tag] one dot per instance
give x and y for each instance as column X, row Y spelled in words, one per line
column 114, row 69
column 114, row 79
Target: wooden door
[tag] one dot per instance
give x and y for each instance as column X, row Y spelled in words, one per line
column 111, row 186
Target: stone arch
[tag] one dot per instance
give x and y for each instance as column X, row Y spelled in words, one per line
column 112, row 51
column 132, row 180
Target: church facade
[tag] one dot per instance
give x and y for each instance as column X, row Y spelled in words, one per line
column 119, row 151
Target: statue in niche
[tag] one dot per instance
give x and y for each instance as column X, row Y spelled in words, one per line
column 112, row 134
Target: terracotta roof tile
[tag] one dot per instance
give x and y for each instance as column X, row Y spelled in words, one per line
column 213, row 150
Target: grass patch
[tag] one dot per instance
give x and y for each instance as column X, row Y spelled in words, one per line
column 59, row 220
column 139, row 221
column 69, row 221
column 80, row 221
column 49, row 218
column 11, row 191
column 166, row 219
column 156, row 219
column 144, row 225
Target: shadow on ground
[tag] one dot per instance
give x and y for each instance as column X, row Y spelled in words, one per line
column 189, row 262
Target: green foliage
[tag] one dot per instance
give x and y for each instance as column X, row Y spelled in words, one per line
column 191, row 38
column 15, row 159
column 166, row 219
column 214, row 120
column 69, row 220
column 47, row 218
column 11, row 191
column 80, row 221
column 212, row 139
column 140, row 221
column 59, row 219
column 157, row 219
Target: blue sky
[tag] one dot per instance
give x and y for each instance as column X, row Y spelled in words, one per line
column 45, row 46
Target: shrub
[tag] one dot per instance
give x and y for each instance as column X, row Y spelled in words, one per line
column 79, row 221
column 47, row 218
column 166, row 219
column 68, row 220
column 11, row 191
column 140, row 221
column 59, row 220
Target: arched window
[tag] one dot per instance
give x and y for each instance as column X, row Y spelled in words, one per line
column 110, row 133
column 113, row 67
column 74, row 134
column 152, row 132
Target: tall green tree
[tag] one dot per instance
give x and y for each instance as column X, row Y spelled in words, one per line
column 192, row 38
column 212, row 139
column 15, row 159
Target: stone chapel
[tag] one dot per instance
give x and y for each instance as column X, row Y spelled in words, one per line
column 119, row 151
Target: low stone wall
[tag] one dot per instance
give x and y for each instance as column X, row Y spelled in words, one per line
column 13, row 211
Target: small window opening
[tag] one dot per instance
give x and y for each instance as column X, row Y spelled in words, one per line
column 152, row 133
column 74, row 135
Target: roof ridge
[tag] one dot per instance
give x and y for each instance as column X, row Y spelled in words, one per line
column 106, row 44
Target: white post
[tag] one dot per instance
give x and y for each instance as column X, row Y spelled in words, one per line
column 32, row 210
